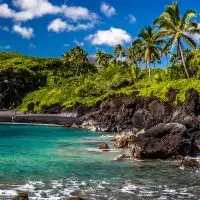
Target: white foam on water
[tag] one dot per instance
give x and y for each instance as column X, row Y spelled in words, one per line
column 107, row 136
column 129, row 189
column 7, row 193
column 27, row 187
column 56, row 184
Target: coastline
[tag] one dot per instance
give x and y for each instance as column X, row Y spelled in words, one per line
column 40, row 119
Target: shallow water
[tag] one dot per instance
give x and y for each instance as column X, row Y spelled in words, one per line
column 55, row 162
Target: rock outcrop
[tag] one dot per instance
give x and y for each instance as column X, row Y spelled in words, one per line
column 104, row 147
column 165, row 129
column 21, row 196
column 163, row 141
column 190, row 163
column 73, row 198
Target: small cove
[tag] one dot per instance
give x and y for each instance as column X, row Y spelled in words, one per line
column 55, row 162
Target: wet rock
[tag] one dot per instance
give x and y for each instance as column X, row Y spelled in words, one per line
column 163, row 141
column 123, row 139
column 21, row 196
column 90, row 125
column 122, row 157
column 104, row 147
column 75, row 126
column 190, row 163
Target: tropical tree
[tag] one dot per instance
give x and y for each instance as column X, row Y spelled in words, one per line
column 134, row 54
column 150, row 43
column 77, row 62
column 166, row 52
column 103, row 59
column 119, row 51
column 178, row 29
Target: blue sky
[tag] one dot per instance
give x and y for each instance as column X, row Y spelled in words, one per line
column 50, row 27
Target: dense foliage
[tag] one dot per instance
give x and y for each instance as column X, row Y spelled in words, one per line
column 50, row 85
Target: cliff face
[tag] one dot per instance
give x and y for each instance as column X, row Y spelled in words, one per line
column 167, row 130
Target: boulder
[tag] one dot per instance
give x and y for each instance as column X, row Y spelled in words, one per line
column 104, row 147
column 190, row 163
column 21, row 196
column 163, row 141
column 122, row 140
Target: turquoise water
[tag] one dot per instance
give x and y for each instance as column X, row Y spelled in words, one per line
column 55, row 162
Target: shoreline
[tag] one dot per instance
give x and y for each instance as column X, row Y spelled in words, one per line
column 31, row 124
column 40, row 119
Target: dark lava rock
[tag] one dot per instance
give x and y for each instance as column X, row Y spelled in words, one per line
column 104, row 147
column 171, row 95
column 192, row 103
column 190, row 163
column 73, row 198
column 163, row 141
column 21, row 196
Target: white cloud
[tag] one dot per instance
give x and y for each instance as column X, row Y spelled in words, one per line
column 108, row 10
column 132, row 19
column 4, row 28
column 78, row 13
column 78, row 27
column 25, row 32
column 5, row 11
column 79, row 43
column 57, row 26
column 197, row 36
column 110, row 37
column 30, row 9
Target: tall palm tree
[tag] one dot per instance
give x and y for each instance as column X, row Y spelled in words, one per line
column 150, row 44
column 119, row 51
column 178, row 29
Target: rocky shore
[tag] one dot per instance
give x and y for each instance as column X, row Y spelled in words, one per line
column 156, row 129
column 149, row 127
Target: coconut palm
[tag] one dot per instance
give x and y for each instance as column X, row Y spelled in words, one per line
column 178, row 29
column 119, row 51
column 134, row 54
column 103, row 59
column 150, row 43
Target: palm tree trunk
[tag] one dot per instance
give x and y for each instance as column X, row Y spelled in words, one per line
column 167, row 60
column 149, row 66
column 183, row 61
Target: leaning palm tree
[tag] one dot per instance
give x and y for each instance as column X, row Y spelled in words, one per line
column 150, row 44
column 119, row 51
column 178, row 29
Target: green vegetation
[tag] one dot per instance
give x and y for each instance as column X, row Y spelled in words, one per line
column 40, row 84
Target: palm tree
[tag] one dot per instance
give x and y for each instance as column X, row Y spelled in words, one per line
column 150, row 43
column 119, row 51
column 178, row 29
column 134, row 54
column 103, row 59
column 166, row 52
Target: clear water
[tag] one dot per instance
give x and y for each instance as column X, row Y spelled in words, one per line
column 55, row 162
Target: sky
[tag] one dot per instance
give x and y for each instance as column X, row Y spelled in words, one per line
column 48, row 28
